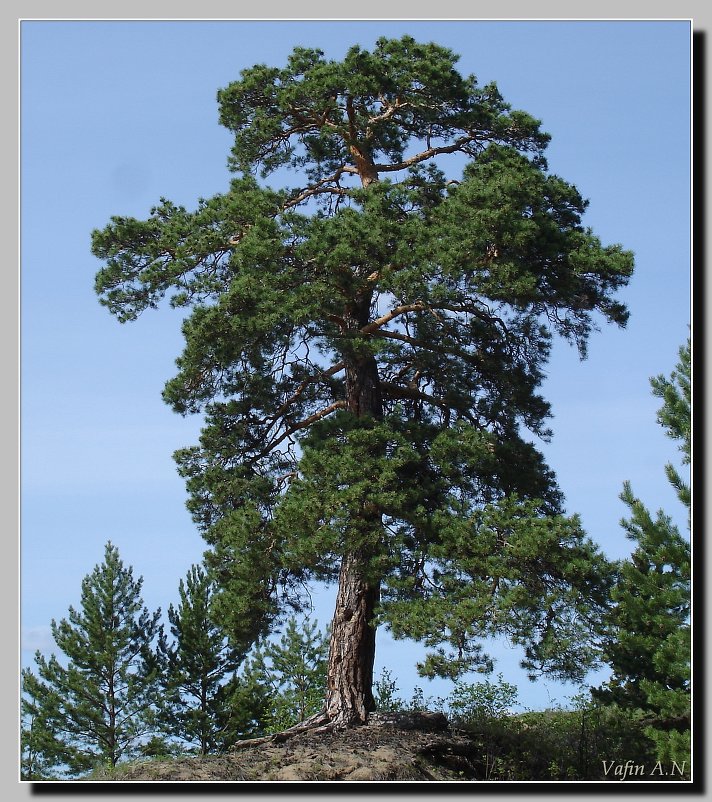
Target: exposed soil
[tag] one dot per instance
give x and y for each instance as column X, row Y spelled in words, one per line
column 411, row 747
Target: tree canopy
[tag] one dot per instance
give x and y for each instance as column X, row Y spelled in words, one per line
column 372, row 306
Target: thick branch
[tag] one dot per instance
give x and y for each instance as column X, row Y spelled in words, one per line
column 303, row 424
column 378, row 323
column 322, row 187
column 413, row 394
column 458, row 144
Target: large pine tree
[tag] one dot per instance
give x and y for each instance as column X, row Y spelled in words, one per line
column 367, row 346
column 97, row 702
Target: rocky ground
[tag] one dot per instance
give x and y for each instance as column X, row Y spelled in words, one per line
column 406, row 747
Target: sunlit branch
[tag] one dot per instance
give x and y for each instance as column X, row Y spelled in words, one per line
column 413, row 394
column 418, row 306
column 427, row 154
column 303, row 424
column 302, row 387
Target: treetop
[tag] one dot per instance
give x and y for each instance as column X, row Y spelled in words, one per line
column 332, row 117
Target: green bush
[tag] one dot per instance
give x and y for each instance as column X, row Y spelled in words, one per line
column 573, row 744
column 385, row 693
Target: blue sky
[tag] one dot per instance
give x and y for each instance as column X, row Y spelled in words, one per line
column 117, row 114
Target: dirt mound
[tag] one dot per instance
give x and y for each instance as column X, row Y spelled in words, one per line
column 403, row 747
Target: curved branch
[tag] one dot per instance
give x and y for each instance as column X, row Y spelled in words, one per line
column 302, row 387
column 441, row 347
column 321, row 187
column 390, row 110
column 303, row 424
column 458, row 144
column 413, row 394
column 378, row 323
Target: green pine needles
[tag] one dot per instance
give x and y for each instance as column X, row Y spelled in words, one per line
column 122, row 689
column 648, row 640
column 291, row 674
column 204, row 704
column 367, row 345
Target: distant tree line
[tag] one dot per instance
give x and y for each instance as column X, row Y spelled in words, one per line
column 125, row 688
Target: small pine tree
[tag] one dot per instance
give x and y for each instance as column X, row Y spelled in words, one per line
column 385, row 693
column 648, row 644
column 293, row 671
column 41, row 752
column 199, row 682
column 96, row 706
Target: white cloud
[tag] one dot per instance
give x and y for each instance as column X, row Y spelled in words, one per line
column 37, row 638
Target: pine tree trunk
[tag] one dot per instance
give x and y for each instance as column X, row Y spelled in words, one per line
column 352, row 648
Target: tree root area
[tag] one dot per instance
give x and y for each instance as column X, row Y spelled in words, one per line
column 403, row 746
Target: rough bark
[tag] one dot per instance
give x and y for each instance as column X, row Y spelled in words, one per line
column 367, row 170
column 352, row 649
column 363, row 388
